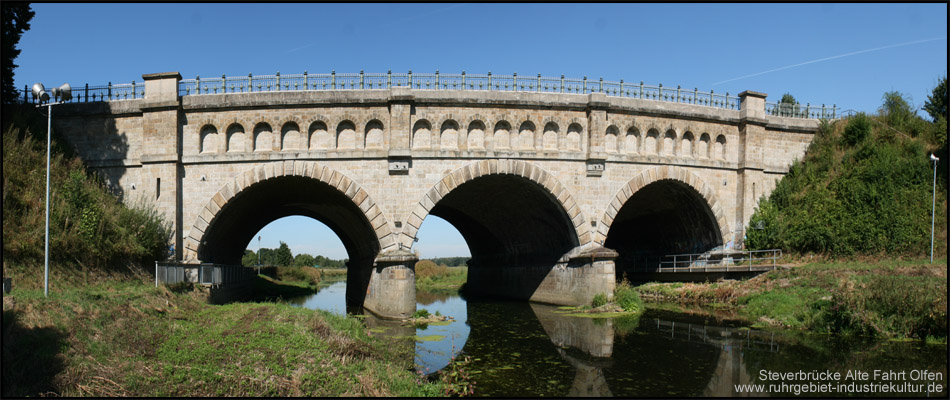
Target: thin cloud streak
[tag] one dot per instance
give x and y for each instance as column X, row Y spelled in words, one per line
column 831, row 58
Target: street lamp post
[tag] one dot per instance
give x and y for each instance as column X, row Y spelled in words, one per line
column 39, row 93
column 933, row 207
column 258, row 254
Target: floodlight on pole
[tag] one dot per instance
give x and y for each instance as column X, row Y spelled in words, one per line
column 63, row 93
column 933, row 207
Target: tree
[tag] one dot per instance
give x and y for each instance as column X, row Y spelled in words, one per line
column 249, row 259
column 788, row 106
column 936, row 104
column 284, row 257
column 304, row 260
column 787, row 98
column 16, row 20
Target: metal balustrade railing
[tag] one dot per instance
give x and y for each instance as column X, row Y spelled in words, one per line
column 463, row 81
column 747, row 258
column 204, row 274
column 801, row 111
column 109, row 92
column 437, row 81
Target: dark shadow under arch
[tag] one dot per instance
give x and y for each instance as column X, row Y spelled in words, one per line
column 664, row 217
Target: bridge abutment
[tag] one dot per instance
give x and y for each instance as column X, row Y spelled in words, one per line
column 391, row 292
column 573, row 280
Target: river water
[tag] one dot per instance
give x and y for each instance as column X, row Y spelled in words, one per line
column 530, row 350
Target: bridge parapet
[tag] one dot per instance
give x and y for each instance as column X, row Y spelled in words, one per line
column 432, row 82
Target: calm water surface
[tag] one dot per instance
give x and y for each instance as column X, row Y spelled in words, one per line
column 524, row 349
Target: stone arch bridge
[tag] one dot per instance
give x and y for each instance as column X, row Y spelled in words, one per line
column 547, row 188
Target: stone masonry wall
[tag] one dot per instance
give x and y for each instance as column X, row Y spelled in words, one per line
column 564, row 136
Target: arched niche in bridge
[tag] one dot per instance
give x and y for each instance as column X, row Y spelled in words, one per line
column 526, row 136
column 263, row 194
column 549, row 138
column 652, row 142
column 686, row 145
column 668, row 145
column 476, row 135
column 664, row 210
column 610, row 140
column 631, row 141
column 320, row 138
column 209, row 139
column 291, row 138
column 702, row 146
column 449, row 135
column 719, row 148
column 237, row 139
column 501, row 138
column 374, row 135
column 346, row 135
column 422, row 134
column 573, row 142
column 509, row 212
column 263, row 137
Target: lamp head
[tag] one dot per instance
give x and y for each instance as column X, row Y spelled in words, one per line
column 934, row 158
column 39, row 92
column 64, row 92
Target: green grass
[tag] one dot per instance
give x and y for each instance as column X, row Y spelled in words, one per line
column 890, row 298
column 440, row 277
column 132, row 339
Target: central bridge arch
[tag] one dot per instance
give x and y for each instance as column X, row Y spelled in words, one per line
column 272, row 191
column 520, row 224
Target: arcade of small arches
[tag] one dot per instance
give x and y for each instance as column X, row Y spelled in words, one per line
column 478, row 135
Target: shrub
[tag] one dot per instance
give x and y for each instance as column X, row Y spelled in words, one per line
column 427, row 268
column 599, row 300
column 308, row 275
column 858, row 128
column 627, row 298
column 421, row 313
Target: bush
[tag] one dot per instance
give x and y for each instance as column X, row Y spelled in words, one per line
column 599, row 300
column 863, row 188
column 858, row 128
column 427, row 268
column 89, row 226
column 308, row 275
column 627, row 298
column 421, row 313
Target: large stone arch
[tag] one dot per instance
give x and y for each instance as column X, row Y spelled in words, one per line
column 656, row 174
column 307, row 169
column 491, row 167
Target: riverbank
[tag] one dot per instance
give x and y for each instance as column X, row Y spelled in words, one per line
column 123, row 338
column 431, row 277
column 892, row 299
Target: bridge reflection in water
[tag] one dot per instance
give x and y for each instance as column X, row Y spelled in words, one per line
column 521, row 349
column 535, row 350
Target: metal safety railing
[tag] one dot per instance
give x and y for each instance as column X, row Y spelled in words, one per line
column 203, row 274
column 463, row 81
column 807, row 111
column 437, row 81
column 692, row 262
column 109, row 92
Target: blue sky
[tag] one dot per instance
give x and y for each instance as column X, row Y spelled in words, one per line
column 843, row 54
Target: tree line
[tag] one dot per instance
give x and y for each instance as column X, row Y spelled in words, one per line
column 282, row 256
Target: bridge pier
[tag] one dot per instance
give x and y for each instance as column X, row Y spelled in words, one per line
column 391, row 292
column 573, row 280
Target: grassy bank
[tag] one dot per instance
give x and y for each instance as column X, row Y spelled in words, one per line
column 893, row 298
column 432, row 277
column 132, row 339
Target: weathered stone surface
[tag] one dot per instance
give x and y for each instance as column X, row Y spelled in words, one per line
column 165, row 144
